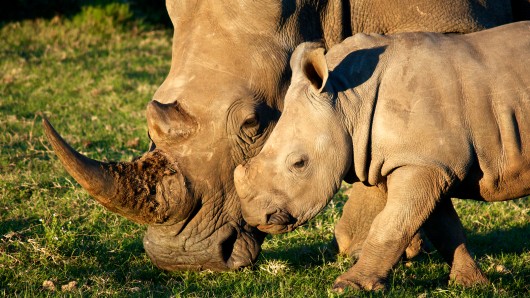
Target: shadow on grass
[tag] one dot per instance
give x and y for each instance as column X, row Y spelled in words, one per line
column 143, row 76
column 514, row 240
column 120, row 267
column 150, row 12
column 304, row 255
column 496, row 244
column 121, row 261
column 17, row 226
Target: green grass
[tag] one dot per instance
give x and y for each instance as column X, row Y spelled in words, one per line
column 93, row 83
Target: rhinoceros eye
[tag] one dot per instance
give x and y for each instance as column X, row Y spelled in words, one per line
column 297, row 163
column 251, row 121
column 250, row 128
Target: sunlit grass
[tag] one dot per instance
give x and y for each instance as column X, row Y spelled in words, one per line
column 93, row 83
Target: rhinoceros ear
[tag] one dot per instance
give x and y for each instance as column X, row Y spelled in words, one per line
column 315, row 68
column 308, row 61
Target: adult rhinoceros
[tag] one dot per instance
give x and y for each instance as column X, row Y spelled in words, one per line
column 421, row 116
column 223, row 95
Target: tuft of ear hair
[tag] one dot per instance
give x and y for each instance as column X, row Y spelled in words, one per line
column 315, row 68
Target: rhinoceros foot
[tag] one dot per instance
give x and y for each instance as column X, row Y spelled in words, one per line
column 465, row 271
column 355, row 280
column 468, row 278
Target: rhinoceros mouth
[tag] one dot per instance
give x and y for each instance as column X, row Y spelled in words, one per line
column 276, row 229
column 279, row 221
column 230, row 247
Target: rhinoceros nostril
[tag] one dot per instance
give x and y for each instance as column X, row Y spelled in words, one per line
column 279, row 218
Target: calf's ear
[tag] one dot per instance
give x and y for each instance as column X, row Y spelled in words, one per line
column 315, row 68
column 308, row 61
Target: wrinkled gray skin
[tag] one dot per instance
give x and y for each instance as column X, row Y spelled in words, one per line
column 224, row 92
column 422, row 117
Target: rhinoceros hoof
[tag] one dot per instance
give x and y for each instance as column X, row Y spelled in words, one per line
column 349, row 281
column 468, row 278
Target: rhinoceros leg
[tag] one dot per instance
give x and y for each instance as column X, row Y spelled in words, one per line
column 363, row 205
column 413, row 193
column 445, row 231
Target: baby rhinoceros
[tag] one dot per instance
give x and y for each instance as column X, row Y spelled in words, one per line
column 422, row 116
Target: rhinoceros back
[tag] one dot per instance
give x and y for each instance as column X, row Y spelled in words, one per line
column 484, row 77
column 459, row 102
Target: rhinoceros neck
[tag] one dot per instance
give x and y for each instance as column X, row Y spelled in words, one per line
column 248, row 38
column 290, row 21
column 357, row 107
column 357, row 66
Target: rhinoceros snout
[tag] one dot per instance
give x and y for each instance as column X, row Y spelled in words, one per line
column 256, row 198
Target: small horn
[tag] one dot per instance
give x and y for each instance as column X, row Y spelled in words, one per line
column 168, row 123
column 128, row 188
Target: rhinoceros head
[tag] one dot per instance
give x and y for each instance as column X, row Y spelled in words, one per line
column 187, row 230
column 305, row 158
column 213, row 112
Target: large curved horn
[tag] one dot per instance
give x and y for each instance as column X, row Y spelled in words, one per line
column 148, row 190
